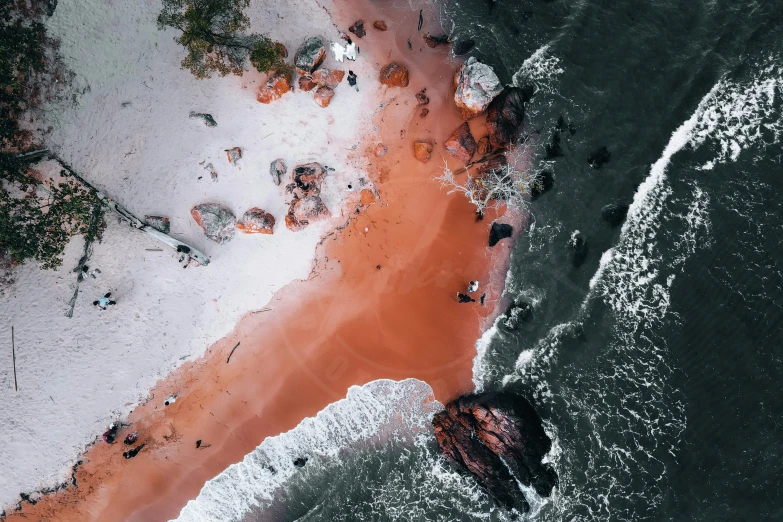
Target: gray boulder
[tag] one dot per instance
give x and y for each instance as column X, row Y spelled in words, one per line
column 477, row 85
column 218, row 222
column 277, row 169
column 310, row 55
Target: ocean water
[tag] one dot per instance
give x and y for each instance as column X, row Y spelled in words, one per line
column 657, row 361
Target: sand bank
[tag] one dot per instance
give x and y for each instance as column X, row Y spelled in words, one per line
column 380, row 304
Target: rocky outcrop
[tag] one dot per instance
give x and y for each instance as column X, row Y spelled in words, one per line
column 498, row 232
column 304, row 212
column 218, row 222
column 394, row 75
column 422, row 151
column 256, row 221
column 499, row 439
column 323, row 96
column 274, row 88
column 277, row 169
column 310, row 55
column 380, row 25
column 358, row 28
column 476, row 86
column 504, row 117
column 307, row 179
column 599, row 157
column 461, row 144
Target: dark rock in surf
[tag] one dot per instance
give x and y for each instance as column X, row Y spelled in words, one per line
column 614, row 214
column 463, row 47
column 504, row 117
column 300, row 462
column 499, row 439
column 542, row 184
column 553, row 149
column 578, row 244
column 598, row 158
column 499, row 231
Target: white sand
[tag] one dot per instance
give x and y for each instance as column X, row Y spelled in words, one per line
column 77, row 375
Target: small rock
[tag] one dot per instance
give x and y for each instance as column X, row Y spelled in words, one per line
column 277, row 169
column 218, row 222
column 422, row 98
column 381, row 150
column 305, row 211
column 463, row 47
column 504, row 117
column 306, row 83
column 483, row 147
column 614, row 214
column 598, row 158
column 579, row 245
column 542, row 184
column 424, row 112
column 307, row 179
column 553, row 149
column 358, row 28
column 499, row 231
column 366, row 197
column 380, row 25
column 436, row 41
column 256, row 221
column 461, row 144
column 422, row 151
column 159, row 223
column 310, row 55
column 276, row 86
column 328, row 78
column 300, row 462
column 476, row 86
column 394, row 75
column 324, row 95
column 208, row 120
column 234, row 155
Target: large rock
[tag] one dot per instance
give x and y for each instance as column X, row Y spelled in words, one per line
column 498, row 438
column 476, row 86
column 323, row 96
column 483, row 147
column 461, row 144
column 305, row 211
column 498, row 232
column 358, row 28
column 274, row 88
column 327, row 77
column 422, row 151
column 256, row 221
column 310, row 55
column 394, row 75
column 599, row 157
column 307, row 179
column 436, row 41
column 218, row 222
column 504, row 117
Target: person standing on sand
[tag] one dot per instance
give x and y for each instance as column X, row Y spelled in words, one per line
column 104, row 301
column 473, row 286
column 464, row 298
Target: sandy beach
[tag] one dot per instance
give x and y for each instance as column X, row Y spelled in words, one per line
column 379, row 304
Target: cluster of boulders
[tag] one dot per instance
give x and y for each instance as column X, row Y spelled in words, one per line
column 306, row 206
column 220, row 224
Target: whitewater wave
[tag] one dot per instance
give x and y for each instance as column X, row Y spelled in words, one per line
column 541, row 69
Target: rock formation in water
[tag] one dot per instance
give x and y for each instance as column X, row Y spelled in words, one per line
column 504, row 117
column 498, row 438
column 499, row 231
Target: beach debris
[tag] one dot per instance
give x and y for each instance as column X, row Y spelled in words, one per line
column 300, row 462
column 278, row 169
column 305, row 211
column 394, row 75
column 422, row 151
column 381, row 150
column 208, row 120
column 352, row 80
column 476, row 86
column 542, row 184
column 598, row 158
column 464, row 298
column 463, row 47
column 310, row 55
column 323, row 96
column 504, row 117
column 200, row 445
column 421, row 19
column 424, row 112
column 499, row 231
column 110, row 434
column 256, row 221
column 358, row 28
column 483, row 147
column 159, row 223
column 327, row 77
column 131, row 438
column 380, row 25
column 135, row 451
column 422, row 98
column 232, row 352
column 473, row 286
column 171, row 400
column 436, row 41
column 614, row 214
column 218, row 222
column 461, row 144
column 578, row 244
column 341, row 52
column 233, row 154
column 274, row 88
column 307, row 179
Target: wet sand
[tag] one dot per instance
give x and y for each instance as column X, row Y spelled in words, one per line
column 380, row 304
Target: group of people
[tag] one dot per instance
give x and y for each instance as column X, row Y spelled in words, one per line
column 472, row 288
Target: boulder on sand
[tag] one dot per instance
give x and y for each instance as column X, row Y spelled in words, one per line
column 256, row 221
column 307, row 179
column 476, row 86
column 499, row 438
column 324, row 95
column 380, row 25
column 218, row 222
column 422, row 151
column 306, row 83
column 310, row 55
column 234, row 155
column 394, row 75
column 504, row 117
column 274, row 88
column 498, row 232
column 305, row 211
column 277, row 169
column 461, row 144
column 327, row 77
column 436, row 41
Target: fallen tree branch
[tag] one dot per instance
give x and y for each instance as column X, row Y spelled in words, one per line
column 232, row 353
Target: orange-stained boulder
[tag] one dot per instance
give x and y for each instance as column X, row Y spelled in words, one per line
column 461, row 144
column 483, row 146
column 305, row 211
column 380, row 25
column 394, row 75
column 217, row 221
column 306, row 83
column 327, row 77
column 256, row 221
column 324, row 95
column 422, row 150
column 276, row 86
column 367, row 197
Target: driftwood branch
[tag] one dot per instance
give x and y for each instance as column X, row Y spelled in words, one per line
column 232, row 353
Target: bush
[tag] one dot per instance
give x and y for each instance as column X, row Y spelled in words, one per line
column 267, row 56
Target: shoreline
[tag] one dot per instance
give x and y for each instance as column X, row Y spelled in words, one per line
column 348, row 324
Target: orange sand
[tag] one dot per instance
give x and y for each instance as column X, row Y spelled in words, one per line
column 350, row 323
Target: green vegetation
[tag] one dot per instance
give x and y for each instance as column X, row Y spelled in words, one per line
column 213, row 33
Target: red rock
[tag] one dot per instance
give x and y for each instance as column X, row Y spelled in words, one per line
column 504, row 117
column 306, row 83
column 256, row 221
column 358, row 28
column 307, row 179
column 484, row 146
column 394, row 75
column 380, row 25
column 422, row 150
column 305, row 211
column 380, row 150
column 323, row 96
column 424, row 112
column 275, row 87
column 461, row 144
column 328, row 78
column 366, row 197
column 234, row 155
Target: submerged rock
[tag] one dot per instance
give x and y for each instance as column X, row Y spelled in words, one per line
column 218, row 222
column 461, row 144
column 310, row 55
column 515, row 314
column 504, row 117
column 463, row 47
column 542, row 184
column 277, row 169
column 476, row 86
column 394, row 75
column 578, row 244
column 305, row 211
column 614, row 213
column 499, row 439
column 598, row 158
column 499, row 231
column 300, row 462
column 256, row 221
column 422, row 151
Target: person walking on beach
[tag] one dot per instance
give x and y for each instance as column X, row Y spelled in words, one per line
column 184, row 254
column 104, row 301
column 473, row 286
column 464, row 298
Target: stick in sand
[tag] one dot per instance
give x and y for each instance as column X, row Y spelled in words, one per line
column 13, row 355
column 232, row 353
